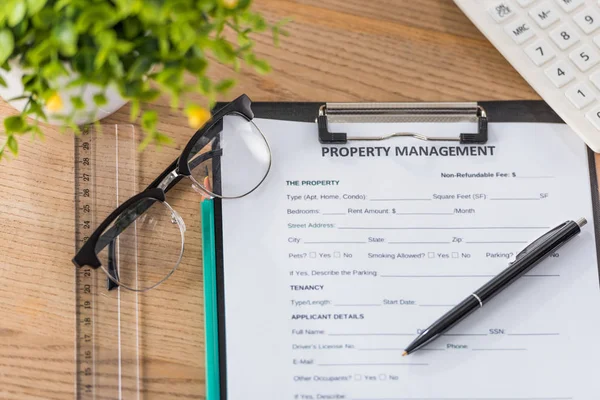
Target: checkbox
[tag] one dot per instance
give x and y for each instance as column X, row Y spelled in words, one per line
column 454, row 255
column 336, row 254
column 431, row 255
column 357, row 377
column 382, row 377
column 313, row 255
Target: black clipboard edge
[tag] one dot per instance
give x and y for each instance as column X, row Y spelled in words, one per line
column 497, row 111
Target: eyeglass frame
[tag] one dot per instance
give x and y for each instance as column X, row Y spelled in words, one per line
column 179, row 169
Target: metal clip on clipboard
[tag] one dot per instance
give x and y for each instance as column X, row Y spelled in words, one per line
column 402, row 112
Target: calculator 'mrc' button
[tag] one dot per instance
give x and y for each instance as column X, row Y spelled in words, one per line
column 594, row 116
column 545, row 14
column 560, row 73
column 580, row 95
column 501, row 11
column 540, row 52
column 569, row 5
column 585, row 57
column 588, row 20
column 564, row 36
column 520, row 31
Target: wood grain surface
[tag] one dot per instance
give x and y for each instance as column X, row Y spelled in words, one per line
column 339, row 50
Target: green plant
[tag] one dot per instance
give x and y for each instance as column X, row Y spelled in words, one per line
column 143, row 47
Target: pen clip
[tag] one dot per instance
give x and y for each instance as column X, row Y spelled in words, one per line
column 535, row 243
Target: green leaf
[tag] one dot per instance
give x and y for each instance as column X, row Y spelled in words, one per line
column 135, row 110
column 17, row 13
column 66, row 36
column 15, row 124
column 161, row 139
column 149, row 95
column 3, row 82
column 77, row 102
column 140, row 67
column 7, row 45
column 224, row 85
column 149, row 120
column 34, row 6
column 223, row 50
column 60, row 4
column 12, row 145
column 100, row 99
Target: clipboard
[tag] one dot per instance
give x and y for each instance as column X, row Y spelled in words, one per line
column 322, row 114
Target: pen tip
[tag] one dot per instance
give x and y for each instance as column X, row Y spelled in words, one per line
column 404, row 354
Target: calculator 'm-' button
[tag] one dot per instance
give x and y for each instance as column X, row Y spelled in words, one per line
column 545, row 14
column 588, row 20
column 540, row 52
column 570, row 5
column 580, row 95
column 501, row 11
column 594, row 117
column 585, row 57
column 519, row 31
column 560, row 73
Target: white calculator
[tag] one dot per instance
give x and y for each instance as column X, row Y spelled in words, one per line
column 555, row 46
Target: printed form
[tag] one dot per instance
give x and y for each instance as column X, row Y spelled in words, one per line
column 346, row 253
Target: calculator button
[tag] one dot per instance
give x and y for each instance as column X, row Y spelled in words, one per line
column 594, row 116
column 597, row 40
column 564, row 36
column 569, row 5
column 595, row 78
column 501, row 11
column 588, row 20
column 580, row 95
column 525, row 3
column 520, row 31
column 560, row 73
column 545, row 14
column 540, row 52
column 585, row 57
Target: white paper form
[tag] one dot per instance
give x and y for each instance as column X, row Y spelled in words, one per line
column 345, row 253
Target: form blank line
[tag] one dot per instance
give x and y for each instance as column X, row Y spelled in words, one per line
column 463, row 398
column 400, row 200
column 465, row 276
column 430, row 213
column 335, row 242
column 464, row 334
column 533, row 334
column 515, row 198
column 371, row 334
column 366, row 364
column 443, row 227
column 499, row 349
column 500, row 242
column 384, row 349
column 357, row 305
column 419, row 242
column 333, row 214
column 535, row 177
column 437, row 305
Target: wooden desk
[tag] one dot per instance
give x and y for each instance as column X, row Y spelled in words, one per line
column 340, row 50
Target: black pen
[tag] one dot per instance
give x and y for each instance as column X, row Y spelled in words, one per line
column 524, row 261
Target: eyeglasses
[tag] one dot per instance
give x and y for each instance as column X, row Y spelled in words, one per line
column 157, row 229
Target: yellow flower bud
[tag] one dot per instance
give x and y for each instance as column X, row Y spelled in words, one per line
column 197, row 116
column 54, row 103
column 231, row 4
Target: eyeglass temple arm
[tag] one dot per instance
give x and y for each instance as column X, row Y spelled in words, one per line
column 125, row 220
